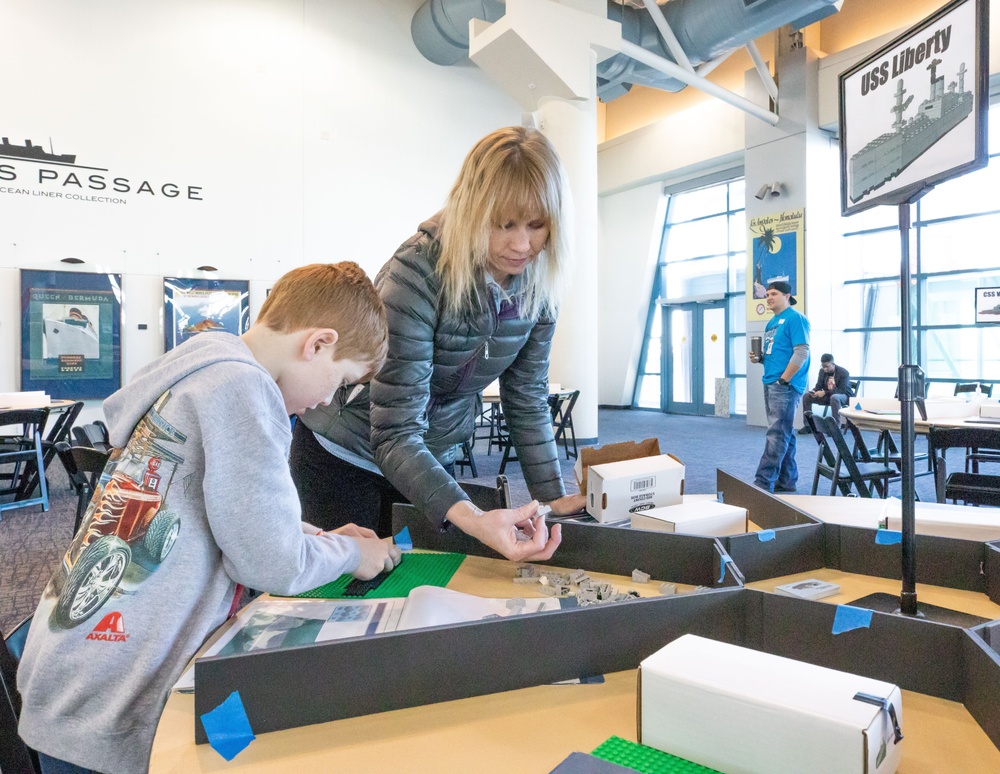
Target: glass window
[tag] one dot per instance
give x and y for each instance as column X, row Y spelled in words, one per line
column 703, row 253
column 700, row 277
column 695, row 238
column 964, row 243
column 698, row 203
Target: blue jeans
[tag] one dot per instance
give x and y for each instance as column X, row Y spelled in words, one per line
column 52, row 765
column 777, row 471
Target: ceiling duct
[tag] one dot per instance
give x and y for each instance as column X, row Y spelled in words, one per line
column 706, row 30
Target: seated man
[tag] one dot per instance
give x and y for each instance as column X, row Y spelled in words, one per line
column 832, row 389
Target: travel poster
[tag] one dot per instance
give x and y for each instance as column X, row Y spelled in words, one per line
column 775, row 253
column 194, row 306
column 70, row 333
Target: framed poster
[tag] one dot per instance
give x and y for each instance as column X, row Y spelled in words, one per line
column 193, row 306
column 775, row 253
column 913, row 114
column 987, row 305
column 71, row 333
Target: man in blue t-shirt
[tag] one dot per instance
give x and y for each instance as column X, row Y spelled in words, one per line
column 785, row 354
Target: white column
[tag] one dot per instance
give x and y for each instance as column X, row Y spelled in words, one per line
column 571, row 127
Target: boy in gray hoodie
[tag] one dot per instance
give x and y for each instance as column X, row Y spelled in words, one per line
column 196, row 499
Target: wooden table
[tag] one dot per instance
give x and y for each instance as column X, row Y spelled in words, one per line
column 533, row 729
column 866, row 420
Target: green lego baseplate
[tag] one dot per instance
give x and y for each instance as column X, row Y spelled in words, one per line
column 646, row 759
column 416, row 569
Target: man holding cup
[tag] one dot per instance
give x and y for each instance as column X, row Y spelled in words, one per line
column 785, row 354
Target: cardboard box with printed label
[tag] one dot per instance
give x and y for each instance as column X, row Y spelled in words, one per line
column 694, row 517
column 612, row 452
column 616, row 490
column 739, row 710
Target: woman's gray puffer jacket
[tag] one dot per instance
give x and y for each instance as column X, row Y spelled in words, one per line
column 423, row 401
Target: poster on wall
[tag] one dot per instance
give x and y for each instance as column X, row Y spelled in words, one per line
column 71, row 333
column 775, row 253
column 914, row 113
column 988, row 305
column 193, row 306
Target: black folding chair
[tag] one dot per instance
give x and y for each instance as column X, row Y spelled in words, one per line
column 84, row 466
column 845, row 471
column 94, row 435
column 561, row 404
column 467, row 458
column 15, row 755
column 970, row 488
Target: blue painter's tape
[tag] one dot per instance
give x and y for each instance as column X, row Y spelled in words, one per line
column 888, row 537
column 228, row 727
column 725, row 560
column 848, row 618
column 765, row 535
column 403, row 540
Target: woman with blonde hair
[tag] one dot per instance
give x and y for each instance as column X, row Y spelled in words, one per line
column 472, row 297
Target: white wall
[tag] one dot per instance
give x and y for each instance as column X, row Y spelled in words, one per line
column 314, row 130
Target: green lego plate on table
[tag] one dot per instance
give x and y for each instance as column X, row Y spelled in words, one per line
column 415, row 569
column 646, row 759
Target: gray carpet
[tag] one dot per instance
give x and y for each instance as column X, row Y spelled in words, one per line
column 32, row 542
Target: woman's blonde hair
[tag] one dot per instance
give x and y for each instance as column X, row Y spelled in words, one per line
column 511, row 174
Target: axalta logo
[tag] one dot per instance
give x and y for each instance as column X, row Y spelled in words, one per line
column 110, row 629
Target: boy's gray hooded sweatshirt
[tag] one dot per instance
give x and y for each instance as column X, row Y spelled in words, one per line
column 199, row 500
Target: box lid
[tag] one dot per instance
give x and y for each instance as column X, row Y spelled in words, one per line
column 612, row 452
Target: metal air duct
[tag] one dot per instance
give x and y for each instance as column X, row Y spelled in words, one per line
column 705, row 29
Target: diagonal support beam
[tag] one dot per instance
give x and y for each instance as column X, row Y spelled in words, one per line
column 674, row 70
column 762, row 71
column 673, row 44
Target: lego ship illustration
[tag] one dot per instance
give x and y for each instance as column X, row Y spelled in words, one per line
column 73, row 335
column 33, row 152
column 889, row 154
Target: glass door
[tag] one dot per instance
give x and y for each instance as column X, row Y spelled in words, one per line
column 695, row 356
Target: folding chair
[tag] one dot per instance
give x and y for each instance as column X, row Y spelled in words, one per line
column 561, row 405
column 970, row 488
column 15, row 755
column 23, row 453
column 866, row 477
column 94, row 435
column 467, row 458
column 59, row 431
column 84, row 466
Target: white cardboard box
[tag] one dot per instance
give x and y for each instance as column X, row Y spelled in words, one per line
column 33, row 399
column 951, row 521
column 989, row 410
column 742, row 711
column 694, row 517
column 949, row 408
column 617, row 489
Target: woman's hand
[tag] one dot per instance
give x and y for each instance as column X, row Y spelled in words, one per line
column 517, row 533
column 568, row 504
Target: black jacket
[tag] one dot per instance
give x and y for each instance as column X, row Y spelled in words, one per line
column 841, row 378
column 423, row 401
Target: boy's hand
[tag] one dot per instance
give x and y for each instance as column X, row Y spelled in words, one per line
column 517, row 533
column 376, row 555
column 353, row 530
